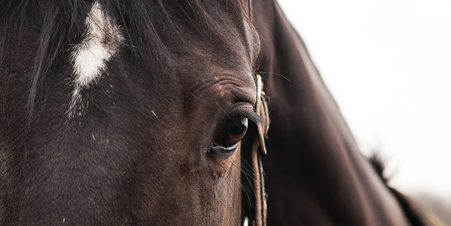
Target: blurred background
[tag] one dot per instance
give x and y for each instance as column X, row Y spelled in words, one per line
column 388, row 65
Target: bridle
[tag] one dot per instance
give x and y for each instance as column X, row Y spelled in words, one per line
column 258, row 148
column 259, row 209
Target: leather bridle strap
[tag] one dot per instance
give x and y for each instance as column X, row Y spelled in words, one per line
column 259, row 141
column 261, row 108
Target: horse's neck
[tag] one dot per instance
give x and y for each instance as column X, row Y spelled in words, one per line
column 313, row 165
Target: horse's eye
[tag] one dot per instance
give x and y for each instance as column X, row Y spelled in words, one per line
column 232, row 133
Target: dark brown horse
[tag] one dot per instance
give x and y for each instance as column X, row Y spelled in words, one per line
column 135, row 113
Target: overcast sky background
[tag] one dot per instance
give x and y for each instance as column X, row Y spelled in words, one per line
column 388, row 65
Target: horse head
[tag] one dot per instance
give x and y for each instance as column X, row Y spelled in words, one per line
column 121, row 113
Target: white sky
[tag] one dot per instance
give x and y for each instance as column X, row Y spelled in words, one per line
column 388, row 65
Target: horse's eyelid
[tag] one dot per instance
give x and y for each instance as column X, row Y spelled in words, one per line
column 254, row 117
column 247, row 112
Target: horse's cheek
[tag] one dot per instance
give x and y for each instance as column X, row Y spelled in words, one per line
column 220, row 165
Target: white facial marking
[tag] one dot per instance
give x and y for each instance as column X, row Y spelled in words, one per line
column 101, row 42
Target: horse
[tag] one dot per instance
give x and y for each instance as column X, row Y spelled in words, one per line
column 154, row 112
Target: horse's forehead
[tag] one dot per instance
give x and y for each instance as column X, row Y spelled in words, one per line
column 210, row 67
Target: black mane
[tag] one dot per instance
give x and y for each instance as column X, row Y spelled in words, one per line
column 411, row 209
